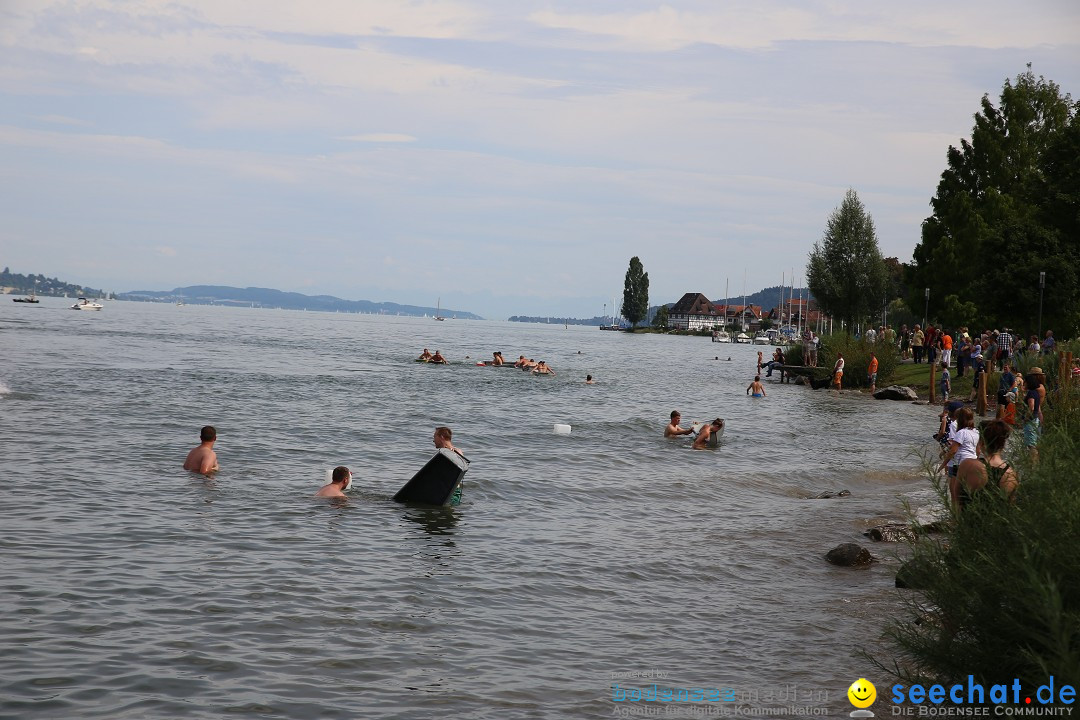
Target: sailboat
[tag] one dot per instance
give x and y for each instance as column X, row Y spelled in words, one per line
column 32, row 298
column 438, row 310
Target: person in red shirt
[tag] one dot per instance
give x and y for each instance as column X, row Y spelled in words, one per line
column 871, row 373
column 930, row 343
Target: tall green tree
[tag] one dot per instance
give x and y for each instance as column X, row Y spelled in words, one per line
column 846, row 273
column 660, row 319
column 635, row 296
column 1007, row 207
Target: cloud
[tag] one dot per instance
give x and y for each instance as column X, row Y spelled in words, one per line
column 380, row 138
column 165, row 251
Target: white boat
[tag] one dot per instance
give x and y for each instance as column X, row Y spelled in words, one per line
column 85, row 304
column 762, row 339
column 721, row 336
column 742, row 338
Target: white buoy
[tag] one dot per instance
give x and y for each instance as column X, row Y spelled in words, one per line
column 561, row 429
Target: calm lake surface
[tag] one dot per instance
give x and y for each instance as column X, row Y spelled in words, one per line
column 132, row 589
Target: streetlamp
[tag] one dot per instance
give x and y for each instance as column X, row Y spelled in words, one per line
column 1042, row 286
column 926, row 311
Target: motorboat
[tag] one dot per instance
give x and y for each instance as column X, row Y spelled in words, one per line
column 85, row 304
column 762, row 339
column 721, row 336
column 742, row 338
column 31, row 298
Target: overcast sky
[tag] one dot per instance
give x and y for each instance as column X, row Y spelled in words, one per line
column 508, row 157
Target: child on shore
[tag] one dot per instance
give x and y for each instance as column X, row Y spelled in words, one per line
column 946, row 384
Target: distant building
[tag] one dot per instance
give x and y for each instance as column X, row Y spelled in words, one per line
column 694, row 311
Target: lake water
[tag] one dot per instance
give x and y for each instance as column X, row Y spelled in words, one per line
column 132, row 589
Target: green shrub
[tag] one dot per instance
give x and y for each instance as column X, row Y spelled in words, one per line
column 999, row 594
column 857, row 358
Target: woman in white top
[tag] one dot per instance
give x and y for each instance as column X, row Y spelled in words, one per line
column 963, row 442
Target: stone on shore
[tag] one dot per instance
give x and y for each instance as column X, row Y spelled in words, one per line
column 849, row 555
column 826, row 495
column 896, row 392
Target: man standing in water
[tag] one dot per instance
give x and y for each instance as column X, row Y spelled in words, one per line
column 442, row 438
column 673, row 428
column 203, row 459
column 340, row 481
column 838, row 371
column 705, row 435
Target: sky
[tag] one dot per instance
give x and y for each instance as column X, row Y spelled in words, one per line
column 504, row 158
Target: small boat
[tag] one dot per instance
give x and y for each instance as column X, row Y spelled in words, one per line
column 742, row 338
column 31, row 298
column 85, row 304
column 762, row 339
column 721, row 336
column 438, row 310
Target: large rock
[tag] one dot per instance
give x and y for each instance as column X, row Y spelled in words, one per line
column 850, row 555
column 826, row 495
column 896, row 392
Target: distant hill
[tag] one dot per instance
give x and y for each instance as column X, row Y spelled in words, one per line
column 767, row 298
column 268, row 298
column 24, row 285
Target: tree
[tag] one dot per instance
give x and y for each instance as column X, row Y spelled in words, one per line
column 660, row 319
column 1006, row 209
column 635, row 304
column 846, row 273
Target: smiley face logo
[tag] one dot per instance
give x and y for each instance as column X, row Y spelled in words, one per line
column 862, row 693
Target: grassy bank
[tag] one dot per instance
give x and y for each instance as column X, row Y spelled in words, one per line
column 999, row 591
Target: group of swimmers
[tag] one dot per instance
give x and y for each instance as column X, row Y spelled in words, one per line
column 437, row 358
column 704, row 435
column 203, row 460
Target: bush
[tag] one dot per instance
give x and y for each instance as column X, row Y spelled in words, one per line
column 857, row 358
column 1000, row 594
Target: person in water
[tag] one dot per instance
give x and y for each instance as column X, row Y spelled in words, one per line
column 425, row 356
column 706, row 433
column 589, row 380
column 757, row 387
column 203, row 459
column 443, row 440
column 974, row 475
column 340, row 481
column 438, row 358
column 497, row 358
column 871, row 372
column 543, row 369
column 673, row 428
column 520, row 361
column 838, row 372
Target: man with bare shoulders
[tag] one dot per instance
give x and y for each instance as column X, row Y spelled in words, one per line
column 520, row 361
column 673, row 429
column 425, row 356
column 203, row 459
column 438, row 358
column 340, row 481
column 706, row 434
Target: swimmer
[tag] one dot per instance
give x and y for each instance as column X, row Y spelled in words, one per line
column 340, row 481
column 589, row 380
column 673, row 428
column 706, row 433
column 520, row 361
column 203, row 459
column 757, row 387
column 425, row 356
column 442, row 439
column 496, row 358
column 543, row 369
column 438, row 358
